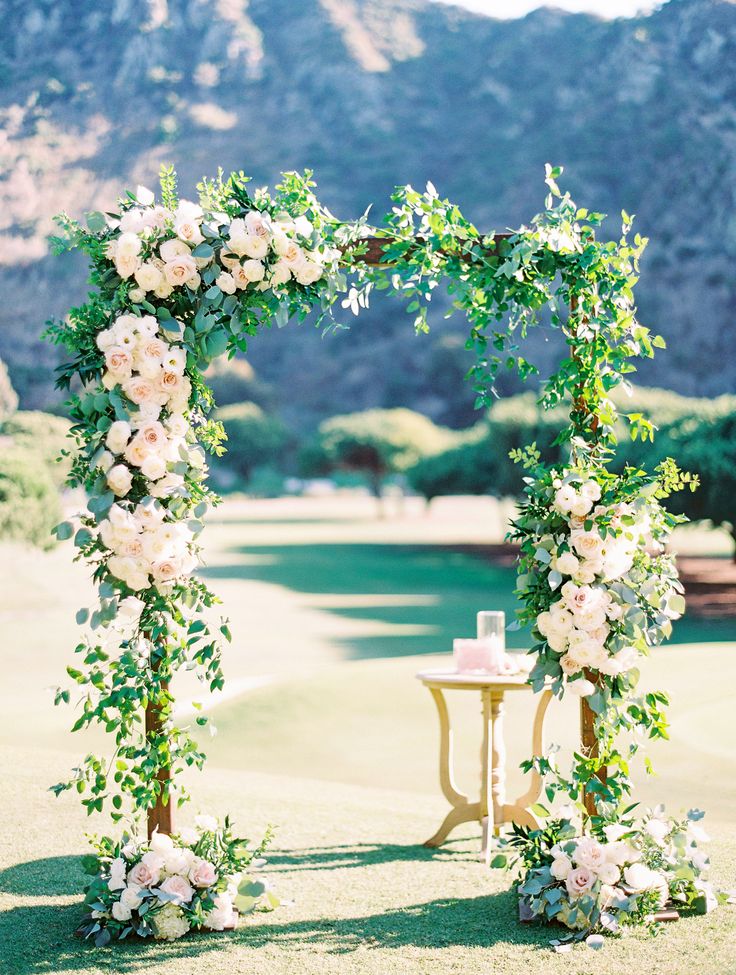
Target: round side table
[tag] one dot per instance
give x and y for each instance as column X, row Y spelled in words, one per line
column 492, row 809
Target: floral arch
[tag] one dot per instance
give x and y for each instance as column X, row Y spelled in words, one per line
column 179, row 283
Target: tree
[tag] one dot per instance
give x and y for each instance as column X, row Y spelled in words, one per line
column 374, row 442
column 706, row 446
column 254, row 438
column 29, row 500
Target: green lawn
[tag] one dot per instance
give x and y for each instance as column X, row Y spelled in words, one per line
column 337, row 611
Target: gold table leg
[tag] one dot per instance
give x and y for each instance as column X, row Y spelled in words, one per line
column 462, row 810
column 492, row 809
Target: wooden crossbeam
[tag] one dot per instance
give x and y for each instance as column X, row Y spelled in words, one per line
column 375, row 256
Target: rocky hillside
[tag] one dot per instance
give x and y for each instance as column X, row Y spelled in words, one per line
column 370, row 93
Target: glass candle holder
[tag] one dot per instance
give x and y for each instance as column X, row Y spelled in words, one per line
column 492, row 626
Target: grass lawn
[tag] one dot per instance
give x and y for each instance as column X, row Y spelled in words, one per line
column 333, row 613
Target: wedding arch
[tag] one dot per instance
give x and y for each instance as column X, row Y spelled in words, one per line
column 178, row 283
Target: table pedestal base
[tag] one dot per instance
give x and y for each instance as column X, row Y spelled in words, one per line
column 491, row 810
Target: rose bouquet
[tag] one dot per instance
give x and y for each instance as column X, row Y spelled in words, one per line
column 197, row 879
column 597, row 587
column 619, row 877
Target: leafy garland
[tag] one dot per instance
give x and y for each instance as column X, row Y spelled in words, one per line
column 179, row 283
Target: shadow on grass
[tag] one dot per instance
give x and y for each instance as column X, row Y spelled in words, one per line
column 459, row 584
column 362, row 855
column 41, row 942
column 60, row 876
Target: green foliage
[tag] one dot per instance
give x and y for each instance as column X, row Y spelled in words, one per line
column 254, row 438
column 29, row 500
column 375, row 442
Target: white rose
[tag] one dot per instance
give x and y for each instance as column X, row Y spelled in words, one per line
column 149, row 515
column 105, row 461
column 309, row 272
column 147, row 326
column 258, row 223
column 118, row 868
column 279, row 274
column 591, row 490
column 120, row 912
column 189, row 231
column 136, row 295
column 609, row 873
column 132, row 221
column 287, row 248
column 161, row 843
column 565, row 498
column 136, row 451
column 127, row 266
column 253, row 270
column 171, row 249
column 129, row 571
column 567, row 564
column 105, row 339
column 127, row 245
column 613, row 832
column 557, row 641
column 118, row 436
column 561, row 866
column 188, row 836
column 148, row 277
column 570, row 665
column 131, row 897
column 188, row 211
column 119, row 480
column 589, row 852
column 581, row 506
column 169, row 484
column 581, row 687
column 589, row 545
column 226, row 283
column 164, row 290
column 153, row 467
column 130, row 608
column 206, row 824
column 165, row 570
column 255, row 246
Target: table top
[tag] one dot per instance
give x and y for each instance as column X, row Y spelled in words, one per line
column 451, row 679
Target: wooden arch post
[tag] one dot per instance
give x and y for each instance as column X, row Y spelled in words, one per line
column 370, row 250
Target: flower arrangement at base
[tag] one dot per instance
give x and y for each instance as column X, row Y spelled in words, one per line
column 618, row 877
column 198, row 879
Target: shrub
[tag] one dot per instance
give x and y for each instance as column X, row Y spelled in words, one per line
column 254, row 438
column 374, row 442
column 29, row 500
column 44, row 435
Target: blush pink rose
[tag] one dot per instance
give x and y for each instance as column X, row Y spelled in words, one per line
column 179, row 887
column 202, row 873
column 579, row 881
column 144, row 874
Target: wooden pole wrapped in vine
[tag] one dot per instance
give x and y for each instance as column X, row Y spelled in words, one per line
column 177, row 283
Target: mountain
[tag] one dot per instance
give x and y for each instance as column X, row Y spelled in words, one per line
column 369, row 94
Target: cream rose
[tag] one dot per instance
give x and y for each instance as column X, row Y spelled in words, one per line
column 257, row 223
column 255, row 246
column 139, row 390
column 136, row 451
column 171, row 249
column 148, row 277
column 119, row 480
column 119, row 360
column 567, row 564
column 226, row 283
column 181, row 270
column 608, row 873
column 165, row 570
column 153, row 467
column 189, row 231
column 570, row 665
column 309, row 272
column 589, row 853
column 126, row 266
